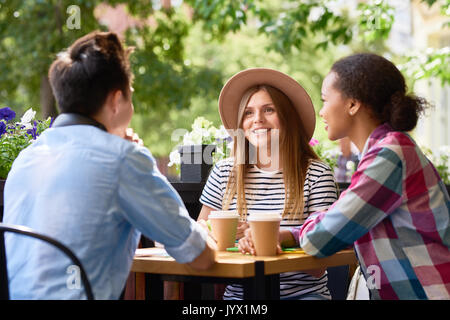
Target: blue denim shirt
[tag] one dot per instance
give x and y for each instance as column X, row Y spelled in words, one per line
column 94, row 192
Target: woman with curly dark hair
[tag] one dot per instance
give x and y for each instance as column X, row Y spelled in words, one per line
column 396, row 209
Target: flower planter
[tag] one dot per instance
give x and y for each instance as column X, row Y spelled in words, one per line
column 196, row 162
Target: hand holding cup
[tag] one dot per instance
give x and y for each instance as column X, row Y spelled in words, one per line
column 246, row 244
column 264, row 230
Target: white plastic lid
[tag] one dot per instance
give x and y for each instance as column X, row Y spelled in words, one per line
column 264, row 216
column 230, row 214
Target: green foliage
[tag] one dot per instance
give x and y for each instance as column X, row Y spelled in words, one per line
column 376, row 20
column 325, row 154
column 441, row 161
column 163, row 80
column 293, row 27
column 290, row 24
column 432, row 63
column 220, row 17
column 181, row 61
column 444, row 8
column 31, row 33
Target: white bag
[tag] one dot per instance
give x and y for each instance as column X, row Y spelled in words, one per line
column 358, row 288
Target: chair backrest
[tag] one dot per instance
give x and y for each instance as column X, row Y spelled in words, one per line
column 4, row 286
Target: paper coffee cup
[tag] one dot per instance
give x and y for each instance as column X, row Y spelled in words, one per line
column 224, row 227
column 264, row 228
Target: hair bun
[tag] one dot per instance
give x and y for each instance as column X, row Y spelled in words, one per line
column 404, row 111
column 81, row 50
column 76, row 54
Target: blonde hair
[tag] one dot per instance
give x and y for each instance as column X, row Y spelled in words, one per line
column 295, row 152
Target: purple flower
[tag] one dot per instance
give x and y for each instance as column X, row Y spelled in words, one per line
column 2, row 128
column 7, row 114
column 33, row 132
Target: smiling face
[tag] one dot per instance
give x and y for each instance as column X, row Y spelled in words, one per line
column 260, row 117
column 335, row 110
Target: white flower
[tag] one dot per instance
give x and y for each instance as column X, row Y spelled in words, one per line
column 27, row 117
column 200, row 123
column 194, row 137
column 222, row 133
column 187, row 139
column 174, row 158
column 444, row 151
column 316, row 13
column 203, row 132
column 350, row 166
column 212, row 133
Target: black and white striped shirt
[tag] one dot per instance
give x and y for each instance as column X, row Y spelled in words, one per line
column 264, row 191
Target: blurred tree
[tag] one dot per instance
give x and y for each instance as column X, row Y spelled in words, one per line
column 33, row 32
column 185, row 50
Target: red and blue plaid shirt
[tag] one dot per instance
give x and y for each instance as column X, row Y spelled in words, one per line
column 396, row 213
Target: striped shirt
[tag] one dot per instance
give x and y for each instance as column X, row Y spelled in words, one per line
column 396, row 211
column 265, row 192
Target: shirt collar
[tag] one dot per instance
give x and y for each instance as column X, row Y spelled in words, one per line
column 70, row 119
column 380, row 132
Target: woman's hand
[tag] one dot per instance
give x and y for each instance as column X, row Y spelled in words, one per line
column 242, row 226
column 245, row 244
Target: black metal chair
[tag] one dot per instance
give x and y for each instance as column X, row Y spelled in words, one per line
column 4, row 286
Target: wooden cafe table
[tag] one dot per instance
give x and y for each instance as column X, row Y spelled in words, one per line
column 260, row 276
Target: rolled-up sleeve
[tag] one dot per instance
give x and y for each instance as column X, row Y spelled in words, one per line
column 153, row 207
column 375, row 191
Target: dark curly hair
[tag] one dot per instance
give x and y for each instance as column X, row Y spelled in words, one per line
column 378, row 84
column 83, row 75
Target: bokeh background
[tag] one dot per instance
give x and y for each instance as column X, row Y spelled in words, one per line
column 185, row 50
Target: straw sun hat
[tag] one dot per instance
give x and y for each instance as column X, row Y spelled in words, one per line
column 231, row 95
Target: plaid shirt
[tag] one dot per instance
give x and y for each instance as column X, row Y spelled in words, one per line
column 396, row 212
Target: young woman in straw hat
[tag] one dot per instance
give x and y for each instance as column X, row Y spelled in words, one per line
column 396, row 211
column 273, row 167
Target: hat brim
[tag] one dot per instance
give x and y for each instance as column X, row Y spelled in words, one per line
column 231, row 95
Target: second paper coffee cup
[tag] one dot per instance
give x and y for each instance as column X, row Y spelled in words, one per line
column 264, row 228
